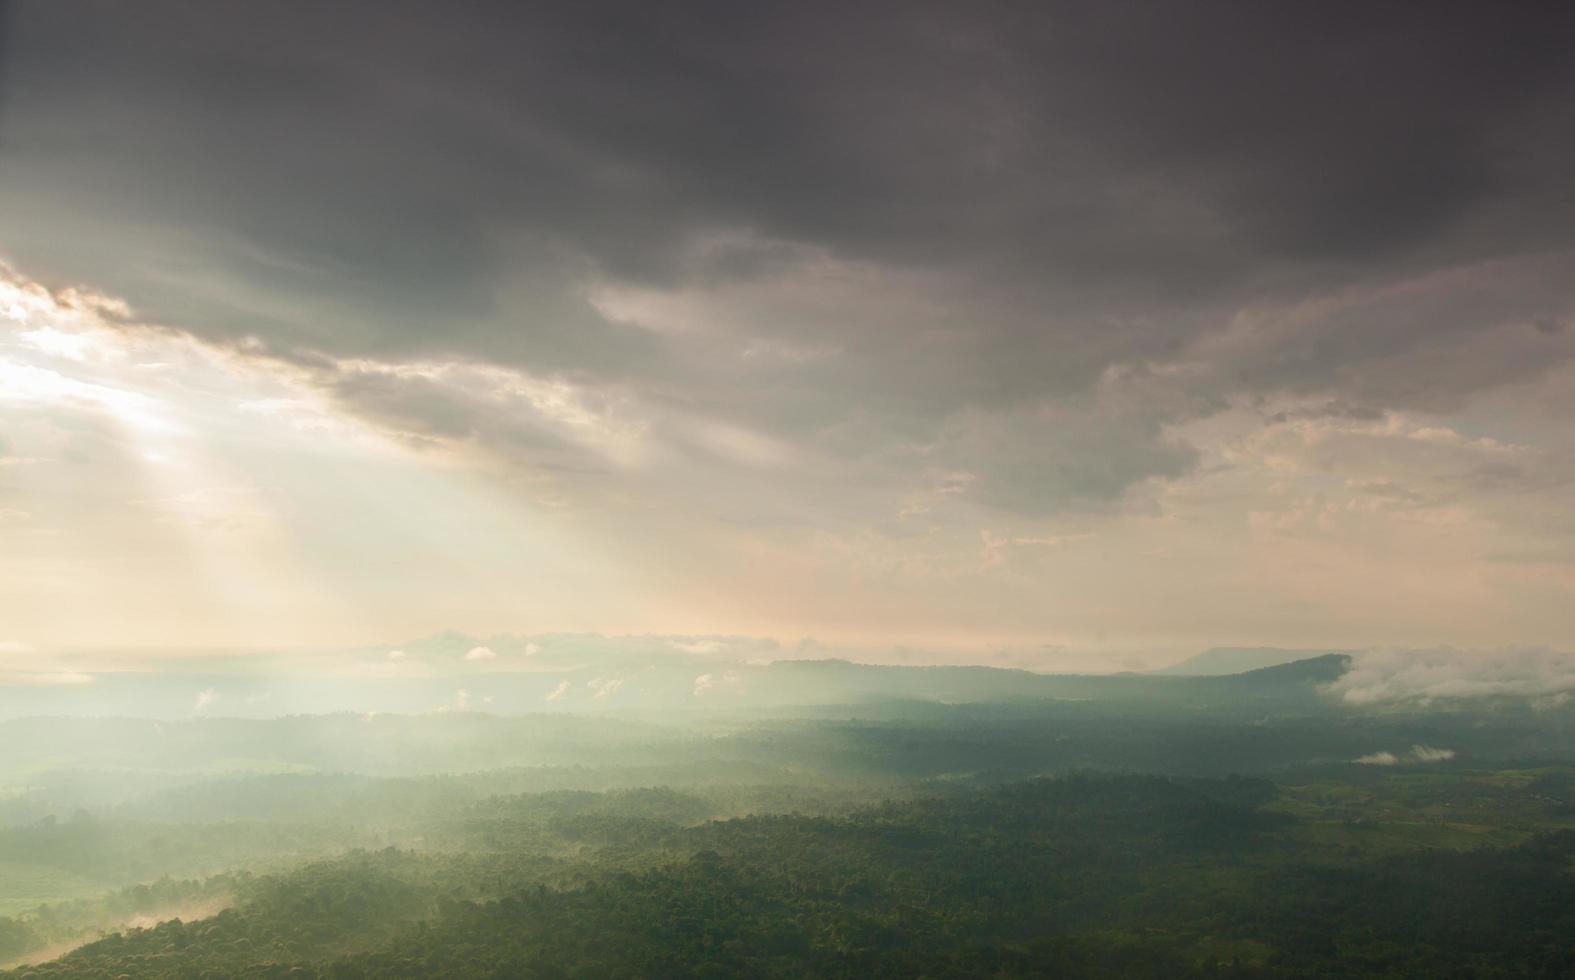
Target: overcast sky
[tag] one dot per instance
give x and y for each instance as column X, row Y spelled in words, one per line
column 993, row 327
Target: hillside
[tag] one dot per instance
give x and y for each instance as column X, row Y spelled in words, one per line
column 1217, row 661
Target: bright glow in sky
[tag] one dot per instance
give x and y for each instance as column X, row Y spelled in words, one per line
column 160, row 493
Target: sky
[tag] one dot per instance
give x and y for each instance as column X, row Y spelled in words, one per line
column 1020, row 330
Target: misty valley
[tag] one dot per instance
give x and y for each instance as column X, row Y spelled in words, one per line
column 838, row 820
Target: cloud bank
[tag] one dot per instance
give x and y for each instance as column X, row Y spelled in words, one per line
column 1446, row 673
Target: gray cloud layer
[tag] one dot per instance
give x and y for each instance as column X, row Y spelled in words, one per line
column 886, row 245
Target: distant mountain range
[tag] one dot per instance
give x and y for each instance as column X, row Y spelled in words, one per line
column 453, row 673
column 1218, row 661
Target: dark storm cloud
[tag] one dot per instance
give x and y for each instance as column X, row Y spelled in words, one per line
column 5, row 27
column 1073, row 186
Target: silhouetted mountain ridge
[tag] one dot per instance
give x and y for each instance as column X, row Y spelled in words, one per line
column 1218, row 661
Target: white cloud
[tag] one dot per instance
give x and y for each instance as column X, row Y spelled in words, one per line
column 1389, row 676
column 205, row 699
column 706, row 683
column 396, row 654
column 558, row 693
column 1378, row 759
column 481, row 653
column 59, row 343
column 1418, row 754
column 604, row 687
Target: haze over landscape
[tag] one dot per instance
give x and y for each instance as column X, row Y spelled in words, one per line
column 707, row 489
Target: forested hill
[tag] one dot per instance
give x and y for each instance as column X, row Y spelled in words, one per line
column 1098, row 877
column 1217, row 661
column 898, row 837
